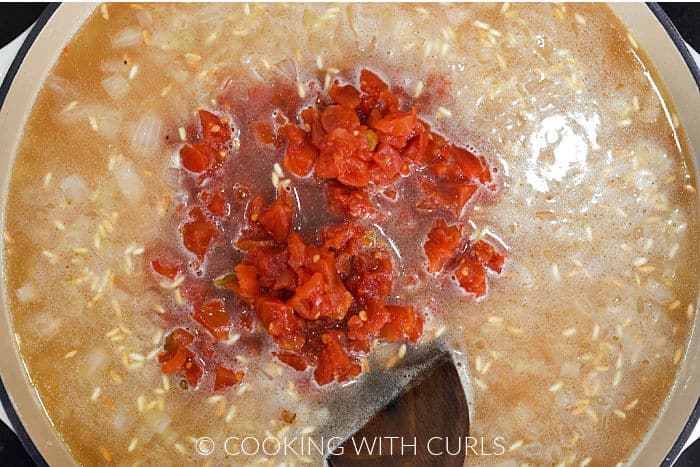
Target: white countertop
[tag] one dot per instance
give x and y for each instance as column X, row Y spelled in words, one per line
column 8, row 53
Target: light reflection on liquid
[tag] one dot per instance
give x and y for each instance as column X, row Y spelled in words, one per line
column 662, row 100
column 560, row 144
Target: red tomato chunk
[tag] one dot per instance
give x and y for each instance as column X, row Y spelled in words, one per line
column 225, row 377
column 213, row 316
column 321, row 283
column 323, row 301
column 442, row 245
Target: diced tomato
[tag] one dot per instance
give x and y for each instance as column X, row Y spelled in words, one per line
column 195, row 158
column 276, row 219
column 307, row 298
column 312, row 118
column 446, row 197
column 225, row 377
column 391, row 195
column 349, row 202
column 334, row 364
column 388, row 164
column 471, row 167
column 323, row 294
column 279, row 320
column 471, row 276
column 442, row 244
column 215, row 319
column 376, row 93
column 371, row 84
column 336, row 146
column 347, row 96
column 396, row 128
column 372, row 274
column 301, row 155
column 337, row 299
column 417, row 149
column 352, row 172
column 470, row 272
column 179, row 338
column 175, row 363
column 164, row 260
column 339, row 237
column 298, row 251
column 485, row 176
column 368, row 322
column 198, row 234
column 423, row 148
column 275, row 315
column 270, row 263
column 254, row 207
column 343, row 263
column 216, row 131
column 447, row 170
column 217, row 205
column 321, row 302
column 487, row 256
column 403, row 323
column 416, row 331
column 326, row 165
column 165, row 356
column 245, row 284
column 264, row 133
column 193, row 370
column 459, row 195
column 295, row 361
column 165, row 269
column 337, row 116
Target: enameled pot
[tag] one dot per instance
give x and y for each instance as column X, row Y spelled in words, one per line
column 652, row 30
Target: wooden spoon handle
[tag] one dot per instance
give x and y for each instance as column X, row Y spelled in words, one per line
column 419, row 422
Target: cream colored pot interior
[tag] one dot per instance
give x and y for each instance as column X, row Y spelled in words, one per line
column 684, row 93
column 67, row 19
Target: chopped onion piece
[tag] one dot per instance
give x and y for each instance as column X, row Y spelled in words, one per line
column 126, row 37
column 144, row 18
column 659, row 292
column 158, row 422
column 122, row 422
column 146, row 136
column 172, row 177
column 74, row 189
column 62, row 87
column 45, row 325
column 116, row 86
column 110, row 122
column 27, row 293
column 113, row 66
column 94, row 361
column 130, row 183
column 570, row 369
column 288, row 69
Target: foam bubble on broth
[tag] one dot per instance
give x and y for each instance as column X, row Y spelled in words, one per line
column 587, row 324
